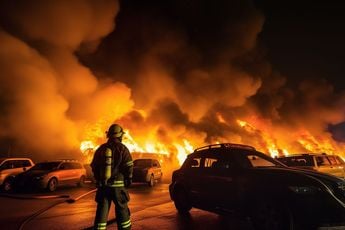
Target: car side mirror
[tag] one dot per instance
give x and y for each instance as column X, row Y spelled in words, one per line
column 24, row 168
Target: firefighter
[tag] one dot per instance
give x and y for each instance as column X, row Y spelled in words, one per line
column 112, row 167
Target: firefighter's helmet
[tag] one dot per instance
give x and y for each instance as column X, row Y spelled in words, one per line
column 115, row 130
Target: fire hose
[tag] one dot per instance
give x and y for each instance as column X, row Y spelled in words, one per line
column 39, row 212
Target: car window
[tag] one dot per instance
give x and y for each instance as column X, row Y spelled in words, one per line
column 156, row 163
column 76, row 166
column 26, row 163
column 210, row 162
column 332, row 160
column 339, row 160
column 67, row 165
column 18, row 164
column 193, row 162
column 142, row 163
column 295, row 161
column 322, row 161
column 7, row 165
column 257, row 161
column 45, row 166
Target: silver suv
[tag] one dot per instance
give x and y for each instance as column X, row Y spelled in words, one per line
column 330, row 164
column 147, row 171
column 10, row 167
column 51, row 174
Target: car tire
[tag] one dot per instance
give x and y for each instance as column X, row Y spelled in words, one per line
column 267, row 215
column 151, row 182
column 181, row 201
column 52, row 184
column 81, row 182
column 7, row 186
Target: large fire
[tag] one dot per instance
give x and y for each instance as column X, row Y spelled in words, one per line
column 178, row 150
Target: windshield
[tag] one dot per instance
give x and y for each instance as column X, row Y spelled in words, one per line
column 257, row 159
column 142, row 163
column 46, row 166
column 297, row 161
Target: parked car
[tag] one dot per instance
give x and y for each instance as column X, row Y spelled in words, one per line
column 331, row 164
column 147, row 171
column 232, row 178
column 51, row 174
column 9, row 168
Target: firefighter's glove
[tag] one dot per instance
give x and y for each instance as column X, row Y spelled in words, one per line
column 128, row 182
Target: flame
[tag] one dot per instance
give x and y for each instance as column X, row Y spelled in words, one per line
column 177, row 150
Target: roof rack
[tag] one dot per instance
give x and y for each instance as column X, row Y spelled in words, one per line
column 225, row 145
column 68, row 160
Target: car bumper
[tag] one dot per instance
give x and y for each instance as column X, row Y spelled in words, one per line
column 30, row 184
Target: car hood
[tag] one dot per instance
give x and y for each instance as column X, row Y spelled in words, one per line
column 140, row 167
column 326, row 178
column 34, row 173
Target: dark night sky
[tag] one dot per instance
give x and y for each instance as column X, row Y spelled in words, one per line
column 306, row 39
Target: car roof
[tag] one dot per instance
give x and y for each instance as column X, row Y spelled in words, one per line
column 14, row 158
column 306, row 154
column 225, row 146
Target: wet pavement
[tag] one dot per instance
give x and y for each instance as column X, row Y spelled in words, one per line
column 151, row 208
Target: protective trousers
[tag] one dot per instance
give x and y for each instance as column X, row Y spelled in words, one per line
column 104, row 196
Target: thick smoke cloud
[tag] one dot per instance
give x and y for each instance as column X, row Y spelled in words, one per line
column 168, row 71
column 48, row 98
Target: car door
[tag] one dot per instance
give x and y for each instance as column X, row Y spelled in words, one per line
column 63, row 173
column 323, row 164
column 7, row 169
column 192, row 178
column 220, row 181
column 336, row 168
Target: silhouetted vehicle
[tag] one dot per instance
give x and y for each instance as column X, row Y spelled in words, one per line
column 147, row 171
column 233, row 178
column 331, row 164
column 49, row 175
column 9, row 168
column 89, row 173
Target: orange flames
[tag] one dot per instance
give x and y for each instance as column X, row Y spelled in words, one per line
column 178, row 150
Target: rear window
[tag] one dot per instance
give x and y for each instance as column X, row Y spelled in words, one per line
column 142, row 163
column 296, row 161
column 46, row 166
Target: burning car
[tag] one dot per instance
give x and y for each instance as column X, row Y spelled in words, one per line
column 227, row 178
column 51, row 174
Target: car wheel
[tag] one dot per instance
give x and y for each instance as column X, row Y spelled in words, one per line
column 52, row 184
column 7, row 185
column 267, row 215
column 151, row 181
column 181, row 201
column 81, row 182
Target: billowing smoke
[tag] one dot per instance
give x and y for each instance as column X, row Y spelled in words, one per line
column 47, row 97
column 175, row 72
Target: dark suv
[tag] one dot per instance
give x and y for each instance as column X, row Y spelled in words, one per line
column 232, row 178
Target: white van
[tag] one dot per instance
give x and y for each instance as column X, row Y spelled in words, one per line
column 9, row 167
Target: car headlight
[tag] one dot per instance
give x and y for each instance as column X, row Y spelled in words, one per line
column 40, row 177
column 341, row 186
column 304, row 189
